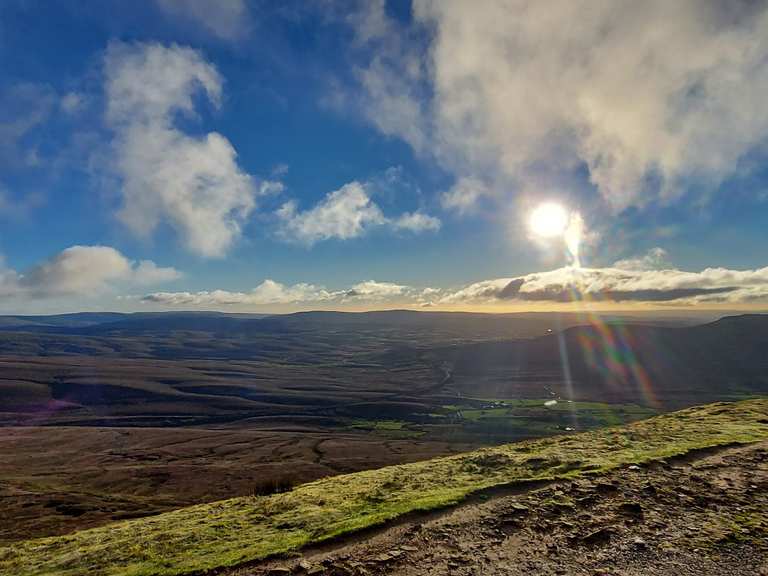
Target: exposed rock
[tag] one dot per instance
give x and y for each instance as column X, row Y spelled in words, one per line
column 599, row 536
column 633, row 509
column 385, row 557
column 304, row 566
column 605, row 487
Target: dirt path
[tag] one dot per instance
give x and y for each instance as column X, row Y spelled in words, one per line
column 705, row 514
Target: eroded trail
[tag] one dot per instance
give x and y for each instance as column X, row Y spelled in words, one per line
column 703, row 514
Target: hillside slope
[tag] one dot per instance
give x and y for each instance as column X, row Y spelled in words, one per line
column 663, row 367
column 701, row 514
column 239, row 530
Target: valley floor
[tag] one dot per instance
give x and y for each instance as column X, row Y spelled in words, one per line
column 702, row 514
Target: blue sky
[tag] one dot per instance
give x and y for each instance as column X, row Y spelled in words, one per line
column 180, row 154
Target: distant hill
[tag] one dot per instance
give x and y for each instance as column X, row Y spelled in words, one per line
column 454, row 325
column 419, row 367
column 617, row 362
column 96, row 323
column 54, row 321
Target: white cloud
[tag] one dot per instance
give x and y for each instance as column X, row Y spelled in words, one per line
column 370, row 21
column 646, row 96
column 270, row 292
column 82, row 271
column 417, row 222
column 345, row 213
column 391, row 80
column 617, row 285
column 146, row 273
column 371, row 289
column 428, row 297
column 271, row 188
column 477, row 292
column 72, row 102
column 654, row 259
column 9, row 280
column 192, row 183
column 149, row 82
column 464, row 194
column 567, row 284
column 227, row 19
column 392, row 101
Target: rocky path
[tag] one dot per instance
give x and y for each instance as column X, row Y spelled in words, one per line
column 704, row 514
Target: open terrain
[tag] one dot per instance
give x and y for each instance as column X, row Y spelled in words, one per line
column 56, row 480
column 703, row 513
column 200, row 370
column 241, row 530
column 110, row 416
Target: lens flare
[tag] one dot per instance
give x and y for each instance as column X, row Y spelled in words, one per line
column 608, row 348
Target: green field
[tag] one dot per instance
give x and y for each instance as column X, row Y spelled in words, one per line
column 503, row 420
column 388, row 428
column 524, row 418
column 233, row 531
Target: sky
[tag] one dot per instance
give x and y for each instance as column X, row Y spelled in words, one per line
column 332, row 154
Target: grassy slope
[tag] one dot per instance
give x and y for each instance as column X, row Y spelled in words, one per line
column 242, row 529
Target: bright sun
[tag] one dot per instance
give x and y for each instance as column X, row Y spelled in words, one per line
column 549, row 220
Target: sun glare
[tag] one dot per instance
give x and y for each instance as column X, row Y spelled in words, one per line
column 549, row 220
column 553, row 220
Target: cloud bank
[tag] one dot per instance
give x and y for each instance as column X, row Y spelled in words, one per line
column 620, row 285
column 82, row 271
column 641, row 280
column 647, row 97
column 271, row 292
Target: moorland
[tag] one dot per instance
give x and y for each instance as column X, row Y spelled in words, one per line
column 107, row 417
column 237, row 531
